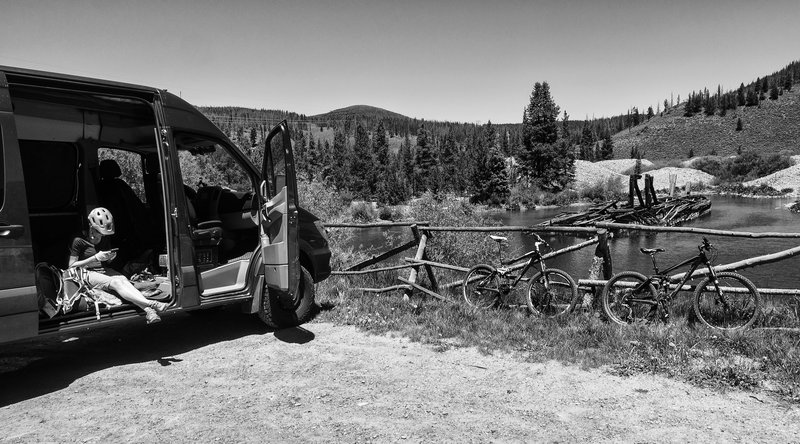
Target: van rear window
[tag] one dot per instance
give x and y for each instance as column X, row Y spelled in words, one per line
column 51, row 174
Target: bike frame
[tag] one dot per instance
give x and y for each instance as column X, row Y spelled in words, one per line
column 534, row 256
column 662, row 276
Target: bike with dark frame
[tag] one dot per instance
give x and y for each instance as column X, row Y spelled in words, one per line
column 550, row 291
column 722, row 300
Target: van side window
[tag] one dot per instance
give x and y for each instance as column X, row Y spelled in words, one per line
column 51, row 174
column 130, row 169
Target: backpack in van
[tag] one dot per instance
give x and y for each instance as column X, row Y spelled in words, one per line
column 48, row 286
column 77, row 292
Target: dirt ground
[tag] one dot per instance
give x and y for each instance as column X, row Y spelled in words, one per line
column 226, row 378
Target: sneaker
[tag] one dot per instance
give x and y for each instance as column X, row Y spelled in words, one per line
column 151, row 316
column 159, row 307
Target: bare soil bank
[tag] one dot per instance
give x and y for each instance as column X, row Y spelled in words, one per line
column 226, row 378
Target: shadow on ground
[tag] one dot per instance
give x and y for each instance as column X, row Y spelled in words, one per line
column 36, row 367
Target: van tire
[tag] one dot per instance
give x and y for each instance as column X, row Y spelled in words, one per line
column 276, row 315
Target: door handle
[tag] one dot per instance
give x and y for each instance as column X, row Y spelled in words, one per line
column 11, row 231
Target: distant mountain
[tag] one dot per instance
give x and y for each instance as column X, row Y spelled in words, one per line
column 770, row 127
column 357, row 112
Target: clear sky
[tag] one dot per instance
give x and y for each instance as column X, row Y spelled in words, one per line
column 456, row 60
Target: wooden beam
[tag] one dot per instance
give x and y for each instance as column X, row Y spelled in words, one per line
column 425, row 290
column 377, row 225
column 746, row 263
column 428, row 269
column 436, row 264
column 412, row 276
column 763, row 291
column 383, row 256
column 618, row 226
column 384, row 290
column 535, row 229
column 372, row 270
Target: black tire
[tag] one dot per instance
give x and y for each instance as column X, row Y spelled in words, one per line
column 727, row 310
column 276, row 315
column 481, row 287
column 559, row 296
column 622, row 306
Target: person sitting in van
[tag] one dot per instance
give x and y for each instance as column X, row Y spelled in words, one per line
column 91, row 251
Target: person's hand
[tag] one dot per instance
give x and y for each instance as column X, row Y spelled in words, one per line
column 104, row 256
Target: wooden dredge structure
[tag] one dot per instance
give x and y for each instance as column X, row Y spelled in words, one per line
column 598, row 229
column 652, row 210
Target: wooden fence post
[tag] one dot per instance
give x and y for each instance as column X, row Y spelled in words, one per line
column 648, row 184
column 601, row 264
column 672, row 179
column 412, row 276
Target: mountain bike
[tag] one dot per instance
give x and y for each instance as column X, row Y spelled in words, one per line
column 550, row 291
column 722, row 300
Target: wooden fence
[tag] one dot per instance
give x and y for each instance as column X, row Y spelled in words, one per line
column 599, row 273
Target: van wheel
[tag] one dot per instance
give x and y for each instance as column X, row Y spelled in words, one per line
column 276, row 315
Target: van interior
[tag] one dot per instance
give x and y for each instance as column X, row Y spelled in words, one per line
column 81, row 150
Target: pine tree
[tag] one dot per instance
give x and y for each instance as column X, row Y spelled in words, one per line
column 496, row 187
column 608, row 145
column 650, row 113
column 587, row 142
column 380, row 150
column 752, row 98
column 448, row 159
column 547, row 166
column 773, row 91
column 362, row 166
column 740, row 98
column 425, row 162
column 788, row 79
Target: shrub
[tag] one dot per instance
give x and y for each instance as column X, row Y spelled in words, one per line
column 362, row 212
column 609, row 189
column 321, row 200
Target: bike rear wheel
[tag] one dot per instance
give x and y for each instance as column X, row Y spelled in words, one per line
column 481, row 287
column 732, row 304
column 552, row 293
column 629, row 298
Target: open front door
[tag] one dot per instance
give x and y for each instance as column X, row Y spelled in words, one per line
column 279, row 250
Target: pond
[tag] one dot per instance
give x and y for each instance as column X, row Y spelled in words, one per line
column 727, row 213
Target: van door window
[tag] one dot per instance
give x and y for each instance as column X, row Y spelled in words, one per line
column 219, row 192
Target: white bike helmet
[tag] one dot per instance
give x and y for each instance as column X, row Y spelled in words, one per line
column 101, row 220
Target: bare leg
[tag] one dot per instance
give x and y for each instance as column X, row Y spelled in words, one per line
column 127, row 291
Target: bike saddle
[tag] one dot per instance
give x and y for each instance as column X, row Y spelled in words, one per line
column 498, row 238
column 651, row 250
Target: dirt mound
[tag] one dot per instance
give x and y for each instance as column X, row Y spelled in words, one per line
column 593, row 173
column 786, row 178
column 684, row 176
column 621, row 166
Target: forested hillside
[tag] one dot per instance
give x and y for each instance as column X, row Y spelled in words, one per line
column 374, row 153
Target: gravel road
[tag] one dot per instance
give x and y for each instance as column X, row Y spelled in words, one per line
column 224, row 377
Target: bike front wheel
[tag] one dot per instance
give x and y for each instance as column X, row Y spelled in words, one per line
column 481, row 287
column 552, row 292
column 732, row 303
column 629, row 298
